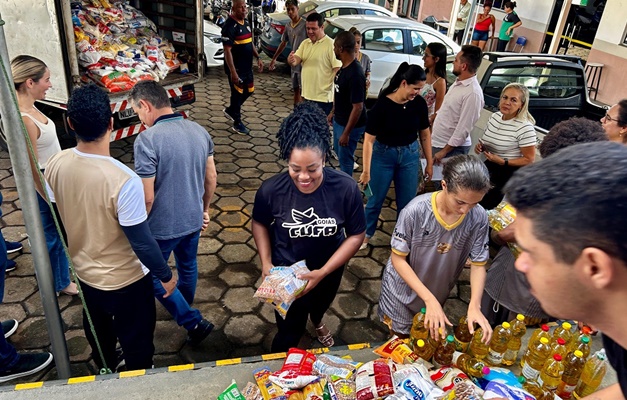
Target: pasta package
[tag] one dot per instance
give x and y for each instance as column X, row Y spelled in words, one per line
column 269, row 390
column 252, row 392
column 398, row 351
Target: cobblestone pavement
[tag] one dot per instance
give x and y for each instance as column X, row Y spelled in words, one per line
column 229, row 269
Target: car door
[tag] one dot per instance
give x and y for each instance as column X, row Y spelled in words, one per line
column 386, row 49
column 418, row 41
column 337, row 11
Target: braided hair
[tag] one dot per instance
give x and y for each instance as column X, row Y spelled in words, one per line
column 306, row 127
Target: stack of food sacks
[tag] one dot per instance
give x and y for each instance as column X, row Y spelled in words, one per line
column 118, row 46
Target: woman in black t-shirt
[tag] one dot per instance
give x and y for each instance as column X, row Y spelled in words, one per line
column 391, row 150
column 309, row 213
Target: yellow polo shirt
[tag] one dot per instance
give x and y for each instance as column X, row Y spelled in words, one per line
column 318, row 60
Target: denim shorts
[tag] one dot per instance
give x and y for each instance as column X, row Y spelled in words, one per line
column 480, row 35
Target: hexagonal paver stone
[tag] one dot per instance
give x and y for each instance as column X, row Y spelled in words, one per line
column 362, row 331
column 350, row 306
column 364, row 267
column 227, row 179
column 236, row 253
column 12, row 311
column 349, row 282
column 230, row 190
column 77, row 345
column 370, row 289
column 208, row 265
column 240, row 275
column 235, row 235
column 230, row 203
column 232, row 218
column 209, row 289
column 169, row 337
column 214, row 312
column 388, row 214
column 246, row 329
column 380, row 239
column 73, row 316
column 247, row 163
column 455, row 309
column 240, row 300
column 18, row 289
column 207, row 245
column 464, row 292
column 31, row 334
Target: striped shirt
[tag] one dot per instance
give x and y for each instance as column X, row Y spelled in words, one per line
column 435, row 250
column 505, row 138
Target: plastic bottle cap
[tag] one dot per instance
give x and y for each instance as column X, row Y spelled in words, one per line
column 557, row 357
column 423, row 310
column 578, row 353
column 420, row 343
column 586, row 330
column 450, row 339
column 545, row 327
column 544, row 340
column 520, row 317
column 521, row 379
column 506, row 325
column 585, row 339
column 566, row 325
column 485, row 370
column 561, row 341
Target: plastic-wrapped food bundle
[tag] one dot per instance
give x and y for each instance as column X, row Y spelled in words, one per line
column 374, row 380
column 334, row 366
column 500, row 217
column 282, row 286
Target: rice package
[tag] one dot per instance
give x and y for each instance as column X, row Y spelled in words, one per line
column 374, row 380
column 334, row 366
column 342, row 389
column 415, row 387
column 405, row 370
column 282, row 286
column 447, row 377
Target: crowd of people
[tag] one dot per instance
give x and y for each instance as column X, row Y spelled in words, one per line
column 121, row 228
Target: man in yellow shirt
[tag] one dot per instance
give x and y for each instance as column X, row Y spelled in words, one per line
column 319, row 64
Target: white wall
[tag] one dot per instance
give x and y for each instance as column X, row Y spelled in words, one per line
column 613, row 22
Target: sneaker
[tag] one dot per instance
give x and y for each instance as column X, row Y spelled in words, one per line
column 9, row 327
column 241, row 129
column 229, row 116
column 12, row 247
column 200, row 332
column 11, row 265
column 28, row 364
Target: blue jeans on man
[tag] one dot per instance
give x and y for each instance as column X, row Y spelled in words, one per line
column 346, row 154
column 179, row 302
column 399, row 164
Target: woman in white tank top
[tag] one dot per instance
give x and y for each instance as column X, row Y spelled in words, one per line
column 32, row 79
column 433, row 92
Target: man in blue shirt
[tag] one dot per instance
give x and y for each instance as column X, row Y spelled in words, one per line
column 174, row 158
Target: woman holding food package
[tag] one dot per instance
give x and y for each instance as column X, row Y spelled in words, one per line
column 32, row 80
column 309, row 213
column 509, row 140
column 433, row 237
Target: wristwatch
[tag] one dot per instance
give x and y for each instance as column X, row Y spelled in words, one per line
column 505, row 162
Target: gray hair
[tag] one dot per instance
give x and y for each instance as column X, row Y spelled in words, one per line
column 465, row 172
column 151, row 92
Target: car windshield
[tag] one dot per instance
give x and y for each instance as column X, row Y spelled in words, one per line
column 332, row 30
column 306, row 7
column 543, row 81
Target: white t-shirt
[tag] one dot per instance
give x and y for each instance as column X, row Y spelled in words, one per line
column 505, row 138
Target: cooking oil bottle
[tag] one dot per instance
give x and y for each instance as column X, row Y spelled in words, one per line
column 551, row 374
column 592, row 375
column 498, row 344
column 535, row 389
column 559, row 347
column 583, row 346
column 443, row 355
column 418, row 329
column 462, row 335
column 573, row 367
column 424, row 349
column 534, row 359
column 513, row 346
column 585, row 332
column 563, row 331
column 477, row 348
column 470, row 365
column 542, row 331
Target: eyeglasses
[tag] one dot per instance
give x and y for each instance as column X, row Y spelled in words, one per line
column 608, row 118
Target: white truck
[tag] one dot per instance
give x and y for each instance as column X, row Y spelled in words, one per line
column 45, row 29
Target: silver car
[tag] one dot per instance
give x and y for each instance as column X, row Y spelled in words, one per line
column 275, row 22
column 388, row 42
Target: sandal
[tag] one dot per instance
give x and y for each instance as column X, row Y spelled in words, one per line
column 325, row 339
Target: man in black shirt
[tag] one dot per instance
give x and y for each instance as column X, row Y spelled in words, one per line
column 349, row 113
column 571, row 226
column 237, row 41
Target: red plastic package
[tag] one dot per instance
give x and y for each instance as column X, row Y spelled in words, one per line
column 298, row 361
column 374, row 380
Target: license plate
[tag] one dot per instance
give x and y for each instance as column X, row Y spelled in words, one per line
column 126, row 114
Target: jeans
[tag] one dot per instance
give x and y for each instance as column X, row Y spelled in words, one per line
column 399, row 164
column 8, row 355
column 128, row 315
column 178, row 303
column 239, row 94
column 58, row 260
column 502, row 45
column 325, row 107
column 346, row 154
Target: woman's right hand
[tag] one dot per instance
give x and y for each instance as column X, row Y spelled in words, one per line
column 479, row 148
column 364, row 178
column 435, row 319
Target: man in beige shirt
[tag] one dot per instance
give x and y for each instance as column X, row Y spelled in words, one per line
column 101, row 203
column 319, row 64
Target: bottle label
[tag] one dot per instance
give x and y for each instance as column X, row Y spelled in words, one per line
column 545, row 384
column 566, row 391
column 461, row 346
column 495, row 358
column 510, row 355
column 529, row 372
